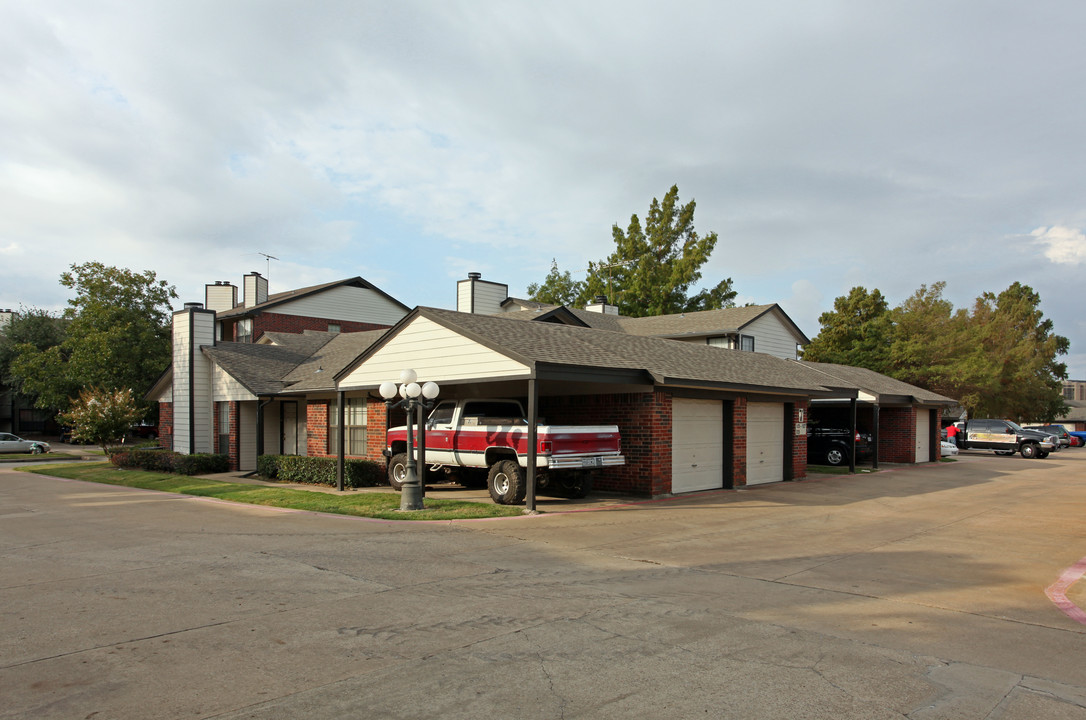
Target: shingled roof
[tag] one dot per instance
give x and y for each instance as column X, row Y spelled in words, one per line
column 665, row 362
column 873, row 383
column 291, row 295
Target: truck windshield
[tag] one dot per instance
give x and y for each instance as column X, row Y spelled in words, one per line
column 1014, row 426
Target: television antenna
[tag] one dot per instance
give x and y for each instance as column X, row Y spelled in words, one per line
column 269, row 258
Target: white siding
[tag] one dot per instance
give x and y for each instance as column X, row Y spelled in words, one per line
column 224, row 387
column 192, row 370
column 697, row 445
column 765, row 443
column 772, row 337
column 220, row 298
column 255, row 289
column 247, row 436
column 435, row 353
column 345, row 303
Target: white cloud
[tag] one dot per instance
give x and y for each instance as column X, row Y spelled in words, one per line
column 1062, row 245
column 11, row 249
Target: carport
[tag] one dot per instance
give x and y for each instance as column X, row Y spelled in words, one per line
column 684, row 411
column 903, row 419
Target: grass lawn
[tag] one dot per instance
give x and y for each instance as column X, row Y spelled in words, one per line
column 374, row 505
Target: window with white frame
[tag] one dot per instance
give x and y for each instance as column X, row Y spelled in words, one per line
column 245, row 330
column 354, row 427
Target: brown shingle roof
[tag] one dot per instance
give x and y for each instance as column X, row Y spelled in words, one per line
column 872, row 382
column 287, row 296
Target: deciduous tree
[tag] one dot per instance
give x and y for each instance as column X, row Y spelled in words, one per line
column 102, row 417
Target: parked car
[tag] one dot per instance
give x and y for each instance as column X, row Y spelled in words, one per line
column 1078, row 439
column 831, row 445
column 14, row 444
column 147, row 430
column 1058, row 430
column 1005, row 437
column 947, row 449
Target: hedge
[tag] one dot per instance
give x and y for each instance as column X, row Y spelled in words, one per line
column 171, row 462
column 320, row 470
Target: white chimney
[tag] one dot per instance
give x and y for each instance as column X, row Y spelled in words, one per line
column 256, row 289
column 480, row 297
column 601, row 306
column 221, row 296
column 192, row 419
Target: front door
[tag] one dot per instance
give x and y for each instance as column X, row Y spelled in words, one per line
column 288, row 416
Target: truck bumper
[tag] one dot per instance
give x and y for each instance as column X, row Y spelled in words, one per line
column 584, row 462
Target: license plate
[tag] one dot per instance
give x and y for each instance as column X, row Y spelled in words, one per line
column 592, row 462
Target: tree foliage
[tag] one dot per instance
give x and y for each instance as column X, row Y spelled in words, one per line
column 102, row 417
column 118, row 336
column 997, row 359
column 40, row 329
column 653, row 269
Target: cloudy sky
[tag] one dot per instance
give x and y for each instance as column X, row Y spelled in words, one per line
column 830, row 144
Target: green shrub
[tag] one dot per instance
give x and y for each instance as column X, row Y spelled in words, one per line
column 268, row 466
column 170, row 462
column 322, row 471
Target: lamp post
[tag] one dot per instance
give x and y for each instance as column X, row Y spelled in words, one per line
column 409, row 391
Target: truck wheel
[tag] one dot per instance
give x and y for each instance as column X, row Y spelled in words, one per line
column 1029, row 450
column 1004, row 452
column 579, row 484
column 1043, row 454
column 836, row 456
column 506, row 483
column 397, row 470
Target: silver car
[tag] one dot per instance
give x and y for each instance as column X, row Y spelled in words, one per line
column 14, row 444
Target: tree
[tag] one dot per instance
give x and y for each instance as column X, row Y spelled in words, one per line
column 38, row 328
column 557, row 289
column 102, row 417
column 651, row 271
column 118, row 336
column 1000, row 360
column 859, row 331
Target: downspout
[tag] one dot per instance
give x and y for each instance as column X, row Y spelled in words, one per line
column 192, row 382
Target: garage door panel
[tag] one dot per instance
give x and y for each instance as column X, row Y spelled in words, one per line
column 697, row 450
column 765, row 443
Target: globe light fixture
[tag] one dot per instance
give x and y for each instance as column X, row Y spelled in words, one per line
column 410, row 391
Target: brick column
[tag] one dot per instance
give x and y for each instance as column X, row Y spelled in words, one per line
column 739, row 442
column 316, row 419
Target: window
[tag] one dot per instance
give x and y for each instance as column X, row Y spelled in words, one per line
column 442, row 414
column 245, row 330
column 1069, row 392
column 720, row 341
column 746, row 343
column 224, row 428
column 354, row 429
column 333, row 327
column 732, row 342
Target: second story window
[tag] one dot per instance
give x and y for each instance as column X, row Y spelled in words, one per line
column 245, row 330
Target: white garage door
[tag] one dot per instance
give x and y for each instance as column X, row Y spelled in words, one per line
column 697, row 445
column 923, row 441
column 765, row 443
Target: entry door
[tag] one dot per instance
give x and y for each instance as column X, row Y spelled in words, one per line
column 923, row 441
column 289, row 420
column 765, row 443
column 697, row 445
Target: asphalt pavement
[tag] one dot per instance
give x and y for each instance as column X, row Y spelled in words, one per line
column 914, row 592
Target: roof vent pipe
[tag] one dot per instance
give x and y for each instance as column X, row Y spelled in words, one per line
column 194, row 306
column 474, row 275
column 601, row 299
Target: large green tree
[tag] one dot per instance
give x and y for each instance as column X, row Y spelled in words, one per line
column 999, row 359
column 653, row 269
column 29, row 326
column 857, row 332
column 118, row 336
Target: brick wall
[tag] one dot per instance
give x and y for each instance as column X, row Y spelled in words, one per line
column 799, row 442
column 897, row 435
column 316, row 418
column 165, row 424
column 644, row 422
column 275, row 322
column 739, row 443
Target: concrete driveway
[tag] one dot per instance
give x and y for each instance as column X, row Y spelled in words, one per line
column 914, row 592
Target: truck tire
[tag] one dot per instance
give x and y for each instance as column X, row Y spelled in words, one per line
column 397, row 471
column 1004, row 452
column 506, row 483
column 568, row 484
column 1043, row 454
column 470, row 478
column 1028, row 450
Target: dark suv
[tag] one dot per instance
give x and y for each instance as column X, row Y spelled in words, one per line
column 1058, row 430
column 831, row 445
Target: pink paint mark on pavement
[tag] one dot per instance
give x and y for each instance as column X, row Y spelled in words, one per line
column 1057, row 591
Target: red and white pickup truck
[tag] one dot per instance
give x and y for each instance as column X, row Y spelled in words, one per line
column 476, row 441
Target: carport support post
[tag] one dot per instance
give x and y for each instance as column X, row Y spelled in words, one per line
column 852, row 435
column 875, row 436
column 533, row 420
column 260, row 426
column 340, row 434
